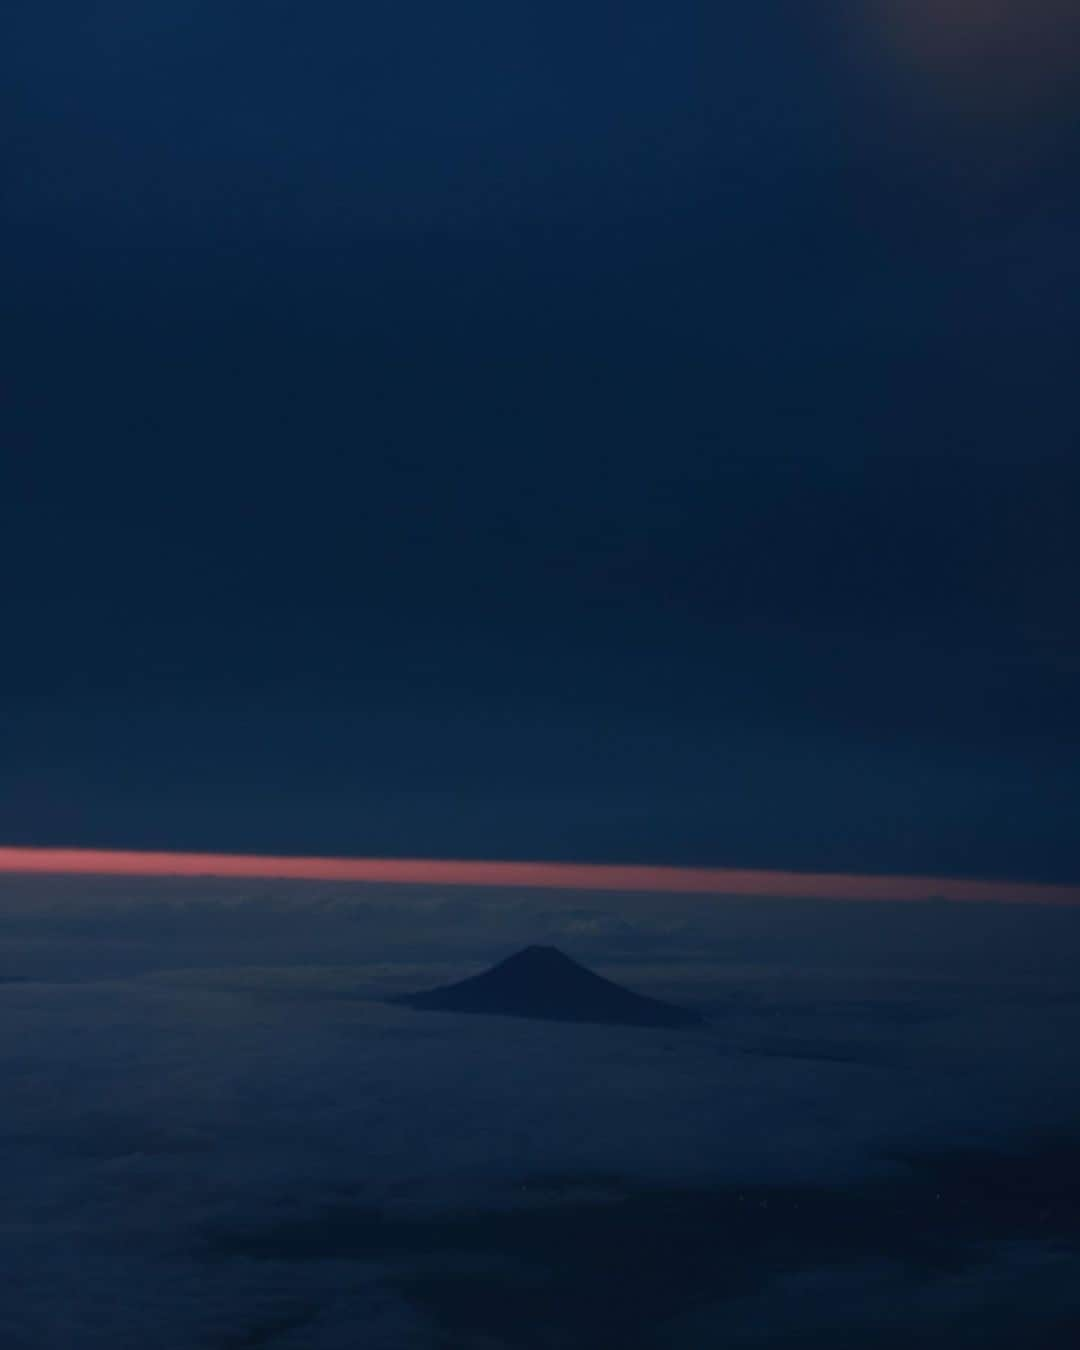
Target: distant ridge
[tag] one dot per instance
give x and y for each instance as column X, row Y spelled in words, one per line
column 543, row 982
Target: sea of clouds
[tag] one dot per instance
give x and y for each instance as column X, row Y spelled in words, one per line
column 190, row 1067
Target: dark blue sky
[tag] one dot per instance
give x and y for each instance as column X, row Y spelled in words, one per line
column 610, row 431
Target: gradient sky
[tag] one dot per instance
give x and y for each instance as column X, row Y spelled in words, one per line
column 611, row 432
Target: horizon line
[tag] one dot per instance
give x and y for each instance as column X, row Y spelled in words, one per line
column 662, row 879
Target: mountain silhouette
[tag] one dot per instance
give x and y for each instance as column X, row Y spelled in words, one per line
column 543, row 982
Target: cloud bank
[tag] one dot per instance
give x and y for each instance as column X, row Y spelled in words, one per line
column 217, row 1135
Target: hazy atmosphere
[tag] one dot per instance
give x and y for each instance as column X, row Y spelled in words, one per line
column 540, row 681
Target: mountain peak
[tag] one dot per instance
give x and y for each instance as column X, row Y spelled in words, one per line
column 540, row 956
column 543, row 982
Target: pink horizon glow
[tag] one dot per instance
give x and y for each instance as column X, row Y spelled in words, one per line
column 559, row 876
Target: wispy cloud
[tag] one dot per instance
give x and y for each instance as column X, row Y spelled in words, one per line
column 554, row 876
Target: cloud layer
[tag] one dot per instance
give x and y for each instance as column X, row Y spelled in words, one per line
column 197, row 1131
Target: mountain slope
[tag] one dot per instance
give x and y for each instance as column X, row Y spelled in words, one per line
column 542, row 982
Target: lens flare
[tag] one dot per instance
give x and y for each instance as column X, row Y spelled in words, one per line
column 992, row 57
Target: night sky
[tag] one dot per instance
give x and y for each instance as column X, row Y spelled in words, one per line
column 604, row 432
